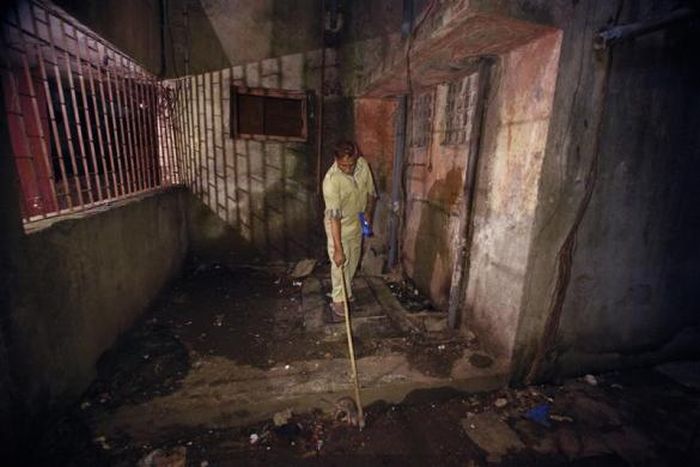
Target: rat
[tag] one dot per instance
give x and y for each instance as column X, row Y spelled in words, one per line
column 346, row 411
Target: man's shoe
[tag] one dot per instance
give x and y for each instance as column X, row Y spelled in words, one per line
column 351, row 299
column 337, row 313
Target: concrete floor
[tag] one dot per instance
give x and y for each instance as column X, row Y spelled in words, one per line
column 231, row 345
column 227, row 351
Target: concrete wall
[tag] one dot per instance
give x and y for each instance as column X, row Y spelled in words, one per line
column 562, row 283
column 435, row 178
column 625, row 125
column 265, row 189
column 513, row 138
column 79, row 283
column 132, row 25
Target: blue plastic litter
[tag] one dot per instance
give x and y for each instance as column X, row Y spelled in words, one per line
column 539, row 414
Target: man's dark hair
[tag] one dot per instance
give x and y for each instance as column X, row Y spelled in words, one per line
column 345, row 149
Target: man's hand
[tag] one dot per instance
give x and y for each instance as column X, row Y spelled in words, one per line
column 338, row 257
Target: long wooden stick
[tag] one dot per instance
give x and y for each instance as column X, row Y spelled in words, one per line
column 351, row 349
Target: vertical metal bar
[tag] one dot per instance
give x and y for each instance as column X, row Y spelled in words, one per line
column 91, row 142
column 181, row 97
column 52, row 117
column 188, row 103
column 109, row 188
column 152, row 121
column 151, row 124
column 76, row 115
column 15, row 108
column 212, row 135
column 164, row 141
column 114, row 129
column 200, row 156
column 46, row 159
column 201, row 97
column 181, row 148
column 64, row 113
column 125, row 116
column 173, row 141
column 232, row 131
column 124, row 159
column 54, row 126
column 139, row 125
column 183, row 105
column 222, row 132
column 132, row 123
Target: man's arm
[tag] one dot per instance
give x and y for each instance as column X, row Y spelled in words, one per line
column 338, row 253
column 369, row 210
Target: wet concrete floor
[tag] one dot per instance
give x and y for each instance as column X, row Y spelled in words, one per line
column 232, row 367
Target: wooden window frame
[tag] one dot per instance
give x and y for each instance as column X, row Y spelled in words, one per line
column 301, row 96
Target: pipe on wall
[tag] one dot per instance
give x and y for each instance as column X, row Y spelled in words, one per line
column 396, row 175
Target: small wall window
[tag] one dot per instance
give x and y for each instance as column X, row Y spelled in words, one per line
column 268, row 114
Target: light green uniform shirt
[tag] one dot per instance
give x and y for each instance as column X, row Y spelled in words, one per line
column 346, row 196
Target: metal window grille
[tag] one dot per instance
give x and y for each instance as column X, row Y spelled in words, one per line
column 88, row 125
column 459, row 108
column 421, row 133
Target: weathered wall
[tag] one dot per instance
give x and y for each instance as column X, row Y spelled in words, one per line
column 513, row 141
column 213, row 34
column 132, row 25
column 514, row 138
column 81, row 282
column 264, row 188
column 435, row 178
column 624, row 279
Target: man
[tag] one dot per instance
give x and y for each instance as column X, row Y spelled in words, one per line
column 348, row 190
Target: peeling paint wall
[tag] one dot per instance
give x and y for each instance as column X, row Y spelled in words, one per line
column 515, row 136
column 629, row 299
column 436, row 170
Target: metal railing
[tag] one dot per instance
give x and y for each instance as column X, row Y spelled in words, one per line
column 88, row 125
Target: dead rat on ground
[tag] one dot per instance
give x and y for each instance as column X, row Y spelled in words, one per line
column 345, row 410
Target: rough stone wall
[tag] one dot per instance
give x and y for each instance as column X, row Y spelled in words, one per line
column 263, row 188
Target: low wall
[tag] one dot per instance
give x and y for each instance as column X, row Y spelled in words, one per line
column 80, row 282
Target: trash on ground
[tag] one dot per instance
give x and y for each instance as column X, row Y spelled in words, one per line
column 500, row 402
column 219, row 320
column 539, row 414
column 289, row 431
column 102, row 441
column 303, row 268
column 590, row 379
column 281, row 418
column 176, row 457
column 254, row 438
column 561, row 418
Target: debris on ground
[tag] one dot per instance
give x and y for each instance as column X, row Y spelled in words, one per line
column 303, row 268
column 492, row 435
column 176, row 457
column 409, row 296
column 281, row 418
column 500, row 402
column 590, row 379
column 539, row 414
